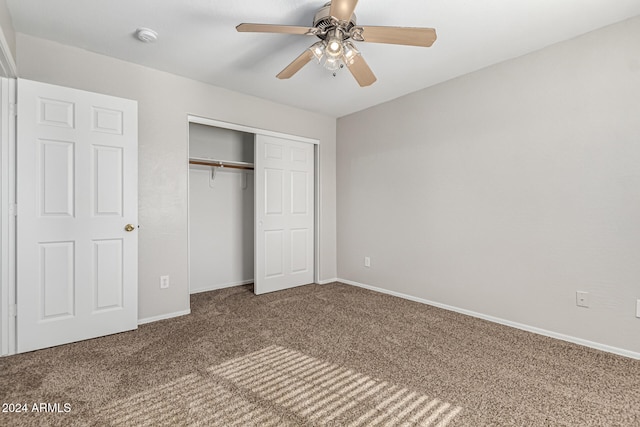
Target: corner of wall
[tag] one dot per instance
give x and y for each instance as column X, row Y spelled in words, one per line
column 7, row 42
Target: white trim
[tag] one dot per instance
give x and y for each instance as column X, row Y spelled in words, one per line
column 556, row 335
column 163, row 317
column 248, row 129
column 317, row 212
column 223, row 286
column 7, row 62
column 4, row 219
column 324, row 282
column 188, row 212
column 13, row 284
column 7, row 218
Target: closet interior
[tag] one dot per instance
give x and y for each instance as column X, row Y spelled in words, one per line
column 221, row 208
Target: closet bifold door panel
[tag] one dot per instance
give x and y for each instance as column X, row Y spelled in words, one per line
column 284, row 214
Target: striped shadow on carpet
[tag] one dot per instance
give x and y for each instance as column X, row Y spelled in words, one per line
column 281, row 387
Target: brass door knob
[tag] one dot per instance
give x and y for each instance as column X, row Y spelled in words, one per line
column 129, row 227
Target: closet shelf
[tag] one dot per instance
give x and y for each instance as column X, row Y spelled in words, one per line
column 220, row 163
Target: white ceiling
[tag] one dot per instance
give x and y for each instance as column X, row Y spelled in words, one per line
column 197, row 39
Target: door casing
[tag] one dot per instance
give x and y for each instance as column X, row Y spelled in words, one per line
column 7, row 217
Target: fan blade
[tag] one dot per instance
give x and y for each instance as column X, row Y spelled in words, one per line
column 342, row 9
column 399, row 35
column 282, row 29
column 361, row 71
column 296, row 65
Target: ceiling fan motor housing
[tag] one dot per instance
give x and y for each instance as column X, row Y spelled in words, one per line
column 324, row 22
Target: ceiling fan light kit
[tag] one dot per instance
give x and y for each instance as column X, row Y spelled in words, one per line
column 335, row 25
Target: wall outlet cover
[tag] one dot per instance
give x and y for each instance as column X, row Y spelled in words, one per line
column 164, row 282
column 582, row 299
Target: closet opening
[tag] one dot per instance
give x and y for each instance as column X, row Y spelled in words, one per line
column 253, row 208
column 221, row 209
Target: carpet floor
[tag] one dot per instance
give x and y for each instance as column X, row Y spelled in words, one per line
column 331, row 355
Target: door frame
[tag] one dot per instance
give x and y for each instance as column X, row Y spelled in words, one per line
column 7, row 216
column 257, row 131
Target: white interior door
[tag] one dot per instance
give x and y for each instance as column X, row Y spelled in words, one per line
column 77, row 273
column 284, row 206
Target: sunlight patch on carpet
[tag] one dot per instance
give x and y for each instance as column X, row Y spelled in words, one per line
column 192, row 400
column 317, row 391
column 278, row 387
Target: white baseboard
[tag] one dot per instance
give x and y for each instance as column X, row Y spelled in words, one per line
column 551, row 334
column 216, row 287
column 246, row 282
column 163, row 316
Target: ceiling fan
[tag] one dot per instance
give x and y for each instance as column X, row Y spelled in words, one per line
column 335, row 25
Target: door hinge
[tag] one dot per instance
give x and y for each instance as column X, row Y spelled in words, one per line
column 13, row 310
column 13, row 109
column 13, row 209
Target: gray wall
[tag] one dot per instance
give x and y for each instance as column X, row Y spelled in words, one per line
column 7, row 27
column 164, row 100
column 505, row 191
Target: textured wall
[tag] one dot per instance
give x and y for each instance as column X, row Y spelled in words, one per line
column 7, row 27
column 506, row 190
column 221, row 223
column 164, row 101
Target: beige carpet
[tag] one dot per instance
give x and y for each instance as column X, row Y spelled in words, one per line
column 320, row 355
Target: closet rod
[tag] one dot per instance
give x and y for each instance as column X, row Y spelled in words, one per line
column 221, row 163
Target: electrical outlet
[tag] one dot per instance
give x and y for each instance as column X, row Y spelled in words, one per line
column 582, row 299
column 367, row 261
column 164, row 282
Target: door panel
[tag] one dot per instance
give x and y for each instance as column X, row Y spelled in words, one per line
column 273, row 253
column 300, row 193
column 284, row 173
column 76, row 191
column 57, row 287
column 54, row 112
column 107, row 277
column 107, row 191
column 55, row 180
column 299, row 244
column 274, row 186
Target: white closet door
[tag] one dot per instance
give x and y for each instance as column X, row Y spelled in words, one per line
column 77, row 243
column 284, row 205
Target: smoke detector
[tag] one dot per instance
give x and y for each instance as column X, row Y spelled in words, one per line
column 146, row 35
